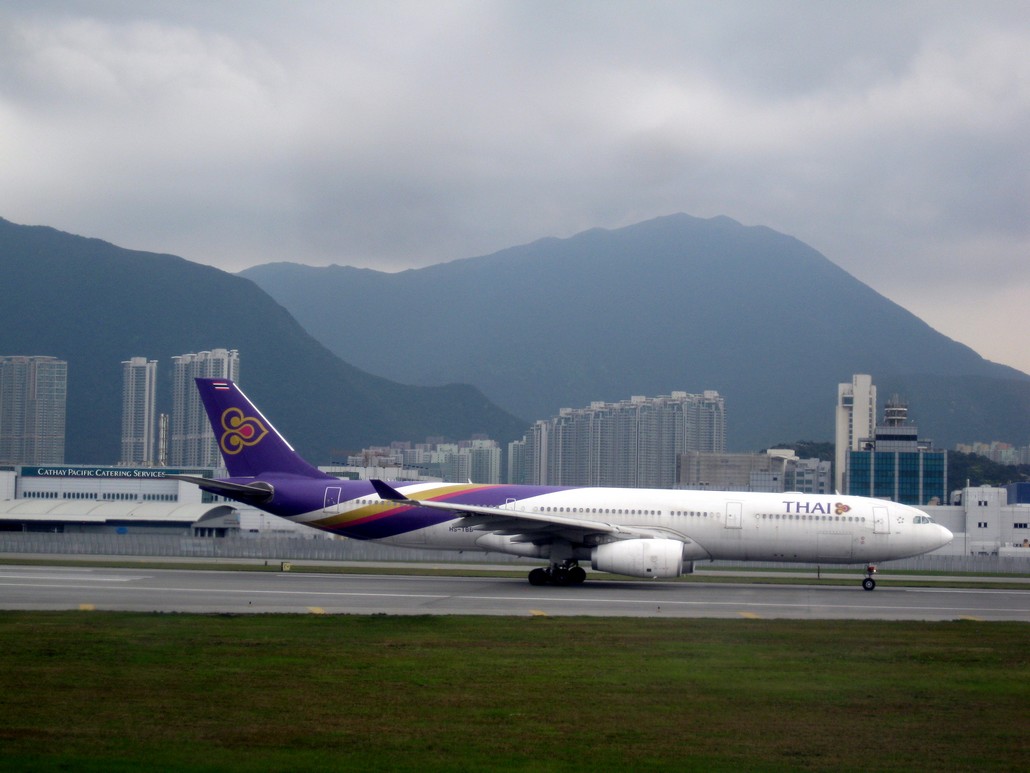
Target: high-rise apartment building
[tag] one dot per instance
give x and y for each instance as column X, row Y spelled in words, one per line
column 139, row 412
column 484, row 461
column 856, row 419
column 633, row 443
column 33, row 400
column 193, row 443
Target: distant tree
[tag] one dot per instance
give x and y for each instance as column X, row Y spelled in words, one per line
column 810, row 449
column 981, row 471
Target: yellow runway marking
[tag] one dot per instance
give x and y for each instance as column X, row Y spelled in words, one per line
column 316, row 610
column 749, row 615
column 537, row 613
column 86, row 607
column 970, row 617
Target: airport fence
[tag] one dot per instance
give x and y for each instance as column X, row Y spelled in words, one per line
column 301, row 549
column 269, row 548
column 928, row 563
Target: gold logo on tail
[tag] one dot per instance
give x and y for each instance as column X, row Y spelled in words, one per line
column 239, row 431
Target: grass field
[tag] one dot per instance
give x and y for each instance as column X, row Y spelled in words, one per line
column 123, row 691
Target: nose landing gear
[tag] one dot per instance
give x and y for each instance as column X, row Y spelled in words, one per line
column 869, row 583
column 565, row 573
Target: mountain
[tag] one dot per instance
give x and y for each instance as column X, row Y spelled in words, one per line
column 94, row 304
column 675, row 303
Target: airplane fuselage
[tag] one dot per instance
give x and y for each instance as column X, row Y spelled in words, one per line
column 709, row 524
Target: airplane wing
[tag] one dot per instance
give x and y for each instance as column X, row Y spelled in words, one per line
column 525, row 526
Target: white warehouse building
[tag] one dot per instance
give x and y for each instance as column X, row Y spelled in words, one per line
column 76, row 498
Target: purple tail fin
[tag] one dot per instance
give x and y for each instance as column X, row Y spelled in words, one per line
column 250, row 445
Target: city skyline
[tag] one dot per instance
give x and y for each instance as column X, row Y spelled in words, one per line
column 145, row 444
column 632, row 443
column 33, row 393
column 183, row 436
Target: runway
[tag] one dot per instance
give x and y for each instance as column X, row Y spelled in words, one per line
column 227, row 592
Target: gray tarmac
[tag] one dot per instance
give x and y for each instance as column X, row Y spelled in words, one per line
column 42, row 587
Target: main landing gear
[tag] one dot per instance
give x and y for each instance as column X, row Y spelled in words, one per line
column 869, row 583
column 566, row 573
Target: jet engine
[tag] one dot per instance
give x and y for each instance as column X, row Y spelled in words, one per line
column 640, row 557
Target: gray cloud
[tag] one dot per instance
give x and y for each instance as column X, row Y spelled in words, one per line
column 889, row 135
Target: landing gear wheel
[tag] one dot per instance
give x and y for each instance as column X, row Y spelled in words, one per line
column 538, row 576
column 569, row 573
column 560, row 576
column 869, row 583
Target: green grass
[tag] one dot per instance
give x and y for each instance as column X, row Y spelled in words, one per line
column 124, row 691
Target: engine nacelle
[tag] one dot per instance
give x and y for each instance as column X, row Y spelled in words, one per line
column 640, row 557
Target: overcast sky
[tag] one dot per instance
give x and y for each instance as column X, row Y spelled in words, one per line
column 894, row 137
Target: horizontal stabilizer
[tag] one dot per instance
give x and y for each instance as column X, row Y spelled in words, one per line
column 255, row 493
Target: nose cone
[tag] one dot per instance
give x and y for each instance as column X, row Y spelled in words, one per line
column 944, row 536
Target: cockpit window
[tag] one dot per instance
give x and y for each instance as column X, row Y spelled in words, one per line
column 922, row 519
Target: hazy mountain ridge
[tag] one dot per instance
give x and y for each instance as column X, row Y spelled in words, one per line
column 672, row 303
column 95, row 305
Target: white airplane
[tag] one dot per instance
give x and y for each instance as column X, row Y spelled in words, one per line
column 632, row 532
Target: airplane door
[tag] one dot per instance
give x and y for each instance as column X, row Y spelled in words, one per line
column 734, row 515
column 881, row 521
column 332, row 499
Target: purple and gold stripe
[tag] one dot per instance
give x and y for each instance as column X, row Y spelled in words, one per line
column 377, row 519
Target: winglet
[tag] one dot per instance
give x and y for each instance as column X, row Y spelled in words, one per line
column 387, row 492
